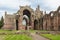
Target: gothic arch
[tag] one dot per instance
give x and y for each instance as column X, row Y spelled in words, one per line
column 26, row 24
column 22, row 8
column 35, row 24
column 25, row 10
column 28, row 14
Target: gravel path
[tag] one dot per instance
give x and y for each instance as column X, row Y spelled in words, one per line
column 38, row 37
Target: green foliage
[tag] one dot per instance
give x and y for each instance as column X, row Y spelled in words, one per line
column 1, row 22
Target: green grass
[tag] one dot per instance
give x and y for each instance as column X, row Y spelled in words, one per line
column 31, row 31
column 7, row 31
column 52, row 37
column 10, row 36
column 15, row 37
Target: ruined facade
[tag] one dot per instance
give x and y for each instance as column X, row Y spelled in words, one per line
column 34, row 19
column 25, row 13
column 51, row 21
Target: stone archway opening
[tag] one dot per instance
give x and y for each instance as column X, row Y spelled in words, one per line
column 16, row 24
column 35, row 24
column 28, row 14
column 25, row 22
column 26, row 18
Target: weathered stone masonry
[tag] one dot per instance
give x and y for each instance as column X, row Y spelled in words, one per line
column 35, row 20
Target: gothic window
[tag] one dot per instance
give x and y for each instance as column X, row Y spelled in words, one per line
column 35, row 24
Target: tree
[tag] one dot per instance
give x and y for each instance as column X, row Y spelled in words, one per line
column 1, row 22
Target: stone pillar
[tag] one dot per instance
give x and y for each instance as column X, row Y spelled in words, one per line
column 20, row 22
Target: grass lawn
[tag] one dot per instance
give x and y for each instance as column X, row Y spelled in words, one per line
column 15, row 37
column 7, row 31
column 52, row 37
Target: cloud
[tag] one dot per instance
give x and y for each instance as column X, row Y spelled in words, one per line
column 13, row 5
column 49, row 5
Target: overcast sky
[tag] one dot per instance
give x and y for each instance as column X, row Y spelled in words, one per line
column 11, row 6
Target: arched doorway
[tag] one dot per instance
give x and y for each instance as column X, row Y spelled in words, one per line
column 41, row 23
column 16, row 24
column 17, row 17
column 27, row 18
column 25, row 22
column 35, row 25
